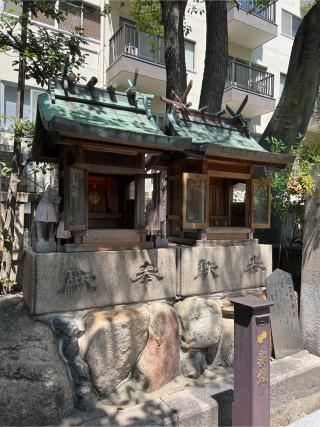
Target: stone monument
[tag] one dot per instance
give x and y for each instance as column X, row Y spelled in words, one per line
column 286, row 332
column 310, row 274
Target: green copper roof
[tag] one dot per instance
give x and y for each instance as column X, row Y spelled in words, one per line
column 218, row 133
column 222, row 138
column 96, row 114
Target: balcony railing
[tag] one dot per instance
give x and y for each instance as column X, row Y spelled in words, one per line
column 250, row 79
column 266, row 12
column 127, row 40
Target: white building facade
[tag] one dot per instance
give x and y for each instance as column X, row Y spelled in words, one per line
column 259, row 51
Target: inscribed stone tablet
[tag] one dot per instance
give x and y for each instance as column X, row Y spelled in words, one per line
column 285, row 325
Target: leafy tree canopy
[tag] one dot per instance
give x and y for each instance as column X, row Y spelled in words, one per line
column 45, row 50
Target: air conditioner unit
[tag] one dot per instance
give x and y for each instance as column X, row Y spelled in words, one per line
column 131, row 50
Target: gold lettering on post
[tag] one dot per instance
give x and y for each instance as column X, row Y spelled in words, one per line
column 262, row 337
column 262, row 363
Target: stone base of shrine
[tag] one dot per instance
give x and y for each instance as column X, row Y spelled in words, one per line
column 58, row 282
column 295, row 388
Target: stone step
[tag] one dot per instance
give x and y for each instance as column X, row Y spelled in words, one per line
column 292, row 378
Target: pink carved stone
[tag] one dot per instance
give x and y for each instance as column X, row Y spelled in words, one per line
column 159, row 361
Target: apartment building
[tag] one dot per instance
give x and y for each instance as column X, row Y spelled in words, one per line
column 259, row 50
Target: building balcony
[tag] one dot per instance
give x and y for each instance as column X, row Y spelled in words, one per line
column 130, row 49
column 251, row 27
column 245, row 80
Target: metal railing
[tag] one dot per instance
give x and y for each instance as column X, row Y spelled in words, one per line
column 266, row 12
column 127, row 40
column 250, row 78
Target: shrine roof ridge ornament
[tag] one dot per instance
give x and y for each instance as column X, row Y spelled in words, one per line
column 66, row 88
column 108, row 97
column 72, row 110
column 217, row 135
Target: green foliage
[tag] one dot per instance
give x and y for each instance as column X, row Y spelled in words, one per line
column 5, row 169
column 23, row 129
column 45, row 50
column 148, row 18
column 196, row 7
column 6, row 285
column 43, row 168
column 293, row 185
column 147, row 14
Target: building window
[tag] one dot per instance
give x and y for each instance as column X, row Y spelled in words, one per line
column 81, row 18
column 72, row 22
column 189, row 54
column 91, row 22
column 282, row 82
column 8, row 105
column 34, row 103
column 289, row 23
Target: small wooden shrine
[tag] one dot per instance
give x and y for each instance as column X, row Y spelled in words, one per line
column 100, row 139
column 212, row 193
column 109, row 248
column 105, row 141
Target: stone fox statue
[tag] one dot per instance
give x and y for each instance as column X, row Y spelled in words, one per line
column 47, row 214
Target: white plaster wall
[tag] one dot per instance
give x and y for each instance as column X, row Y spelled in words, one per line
column 197, row 35
column 274, row 55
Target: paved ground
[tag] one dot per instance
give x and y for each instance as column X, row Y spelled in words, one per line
column 295, row 392
column 312, row 420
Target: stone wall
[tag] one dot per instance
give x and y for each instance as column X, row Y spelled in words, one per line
column 110, row 353
column 35, row 388
column 310, row 275
column 56, row 282
column 135, row 320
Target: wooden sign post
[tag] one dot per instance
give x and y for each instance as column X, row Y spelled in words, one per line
column 251, row 405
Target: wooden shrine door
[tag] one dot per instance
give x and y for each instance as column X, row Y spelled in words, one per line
column 218, row 202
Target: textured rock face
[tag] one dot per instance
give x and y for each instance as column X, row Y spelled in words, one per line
column 34, row 383
column 111, row 344
column 224, row 355
column 159, row 361
column 193, row 362
column 201, row 322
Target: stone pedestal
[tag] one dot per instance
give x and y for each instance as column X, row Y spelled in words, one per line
column 205, row 270
column 54, row 282
column 45, row 246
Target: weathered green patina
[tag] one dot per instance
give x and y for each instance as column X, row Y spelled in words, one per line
column 221, row 137
column 219, row 132
column 125, row 118
column 97, row 115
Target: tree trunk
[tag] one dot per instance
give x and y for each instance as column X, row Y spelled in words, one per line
column 17, row 167
column 292, row 115
column 216, row 59
column 172, row 18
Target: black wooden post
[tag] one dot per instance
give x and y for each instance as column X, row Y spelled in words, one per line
column 251, row 405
